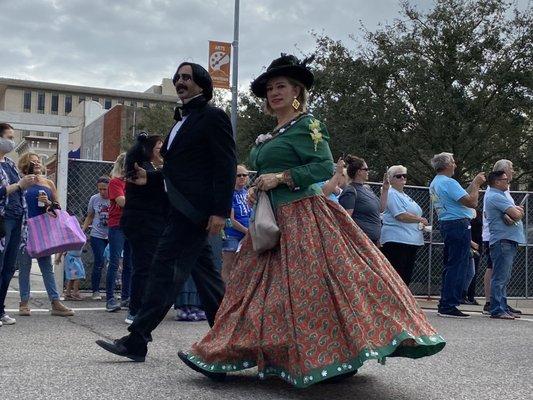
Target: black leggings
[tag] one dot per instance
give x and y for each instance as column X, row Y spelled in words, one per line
column 402, row 257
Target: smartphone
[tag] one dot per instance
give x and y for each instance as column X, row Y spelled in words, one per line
column 31, row 168
column 523, row 201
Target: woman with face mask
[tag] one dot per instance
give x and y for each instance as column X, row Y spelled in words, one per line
column 13, row 215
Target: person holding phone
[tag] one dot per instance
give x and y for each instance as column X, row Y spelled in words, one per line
column 40, row 198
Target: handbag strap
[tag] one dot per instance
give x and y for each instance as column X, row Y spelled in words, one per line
column 183, row 205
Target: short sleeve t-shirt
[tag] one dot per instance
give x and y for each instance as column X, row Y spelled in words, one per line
column 486, row 232
column 445, row 194
column 496, row 204
column 366, row 206
column 116, row 188
column 396, row 231
column 100, row 208
column 241, row 211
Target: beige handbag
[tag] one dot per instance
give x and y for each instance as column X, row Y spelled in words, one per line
column 264, row 229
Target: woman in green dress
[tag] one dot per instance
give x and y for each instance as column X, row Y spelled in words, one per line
column 325, row 299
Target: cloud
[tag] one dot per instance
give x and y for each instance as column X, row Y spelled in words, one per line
column 133, row 44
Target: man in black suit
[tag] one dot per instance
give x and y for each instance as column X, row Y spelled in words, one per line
column 199, row 177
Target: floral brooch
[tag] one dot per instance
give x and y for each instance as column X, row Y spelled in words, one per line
column 316, row 135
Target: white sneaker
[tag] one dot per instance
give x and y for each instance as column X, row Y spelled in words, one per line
column 1, row 323
column 7, row 320
column 96, row 296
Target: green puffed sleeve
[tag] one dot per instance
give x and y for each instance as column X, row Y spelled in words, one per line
column 311, row 144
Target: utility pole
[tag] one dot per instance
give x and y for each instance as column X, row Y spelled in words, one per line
column 235, row 70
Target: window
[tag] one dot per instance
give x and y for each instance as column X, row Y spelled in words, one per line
column 68, row 104
column 146, row 104
column 55, row 103
column 81, row 98
column 132, row 103
column 107, row 104
column 27, row 101
column 25, row 133
column 40, row 103
column 39, row 133
column 96, row 98
column 120, row 101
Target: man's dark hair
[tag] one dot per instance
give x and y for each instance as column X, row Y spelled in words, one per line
column 4, row 127
column 494, row 176
column 200, row 76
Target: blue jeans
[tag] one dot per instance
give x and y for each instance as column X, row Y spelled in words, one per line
column 457, row 237
column 502, row 254
column 8, row 257
column 47, row 271
column 471, row 271
column 98, row 246
column 117, row 244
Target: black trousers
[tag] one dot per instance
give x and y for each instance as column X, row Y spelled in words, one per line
column 182, row 250
column 402, row 257
column 143, row 235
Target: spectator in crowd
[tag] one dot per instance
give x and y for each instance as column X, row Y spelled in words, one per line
column 240, row 219
column 401, row 234
column 74, row 271
column 144, row 215
column 469, row 291
column 333, row 187
column 503, row 242
column 360, row 201
column 454, row 206
column 118, row 244
column 39, row 197
column 507, row 167
column 97, row 218
column 188, row 304
column 13, row 214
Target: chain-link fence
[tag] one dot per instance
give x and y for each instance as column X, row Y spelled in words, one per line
column 427, row 275
column 82, row 177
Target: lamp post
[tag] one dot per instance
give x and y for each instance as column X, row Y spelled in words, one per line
column 235, row 70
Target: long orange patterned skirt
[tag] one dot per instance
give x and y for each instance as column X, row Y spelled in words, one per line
column 319, row 305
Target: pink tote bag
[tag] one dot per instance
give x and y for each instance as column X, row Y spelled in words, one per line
column 48, row 235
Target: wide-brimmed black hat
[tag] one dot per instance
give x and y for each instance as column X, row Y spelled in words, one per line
column 287, row 65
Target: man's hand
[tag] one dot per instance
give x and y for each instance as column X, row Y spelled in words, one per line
column 251, row 197
column 215, row 224
column 424, row 221
column 339, row 167
column 479, row 179
column 266, row 182
column 508, row 220
column 386, row 183
column 140, row 177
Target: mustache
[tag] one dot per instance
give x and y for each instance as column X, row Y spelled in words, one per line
column 179, row 86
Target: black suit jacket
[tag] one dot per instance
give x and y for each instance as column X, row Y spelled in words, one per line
column 201, row 162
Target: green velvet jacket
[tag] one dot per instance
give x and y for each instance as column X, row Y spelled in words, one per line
column 300, row 148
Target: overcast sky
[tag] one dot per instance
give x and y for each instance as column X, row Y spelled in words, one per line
column 133, row 44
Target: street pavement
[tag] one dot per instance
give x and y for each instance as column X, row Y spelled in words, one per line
column 45, row 357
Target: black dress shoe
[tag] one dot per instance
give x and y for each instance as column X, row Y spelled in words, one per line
column 118, row 347
column 215, row 376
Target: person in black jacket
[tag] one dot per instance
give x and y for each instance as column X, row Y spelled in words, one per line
column 199, row 176
column 144, row 215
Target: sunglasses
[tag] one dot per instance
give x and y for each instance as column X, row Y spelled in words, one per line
column 184, row 77
column 399, row 176
column 242, row 175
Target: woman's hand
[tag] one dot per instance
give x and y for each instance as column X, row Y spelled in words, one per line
column 267, row 182
column 251, row 196
column 43, row 198
column 386, row 183
column 339, row 167
column 27, row 181
column 139, row 178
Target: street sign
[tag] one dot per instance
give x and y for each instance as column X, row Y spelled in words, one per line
column 219, row 64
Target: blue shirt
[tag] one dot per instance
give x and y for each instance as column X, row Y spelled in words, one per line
column 241, row 211
column 445, row 193
column 331, row 196
column 396, row 231
column 31, row 195
column 496, row 203
column 14, row 208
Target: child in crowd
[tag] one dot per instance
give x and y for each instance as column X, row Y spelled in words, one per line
column 74, row 271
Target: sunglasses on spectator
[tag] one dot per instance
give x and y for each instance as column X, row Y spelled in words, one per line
column 242, row 175
column 399, row 176
column 184, row 77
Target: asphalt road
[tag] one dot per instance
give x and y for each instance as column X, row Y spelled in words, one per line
column 45, row 357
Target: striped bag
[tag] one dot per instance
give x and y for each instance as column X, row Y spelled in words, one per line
column 48, row 235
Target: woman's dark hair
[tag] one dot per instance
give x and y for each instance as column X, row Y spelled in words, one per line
column 141, row 151
column 4, row 127
column 354, row 164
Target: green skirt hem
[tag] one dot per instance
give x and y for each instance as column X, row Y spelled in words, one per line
column 426, row 346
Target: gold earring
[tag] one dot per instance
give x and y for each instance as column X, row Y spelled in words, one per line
column 295, row 104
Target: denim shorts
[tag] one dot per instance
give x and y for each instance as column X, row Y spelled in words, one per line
column 230, row 244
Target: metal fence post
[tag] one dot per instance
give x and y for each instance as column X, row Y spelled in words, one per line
column 430, row 263
column 527, row 248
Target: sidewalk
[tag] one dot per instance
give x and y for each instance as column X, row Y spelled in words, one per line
column 524, row 305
